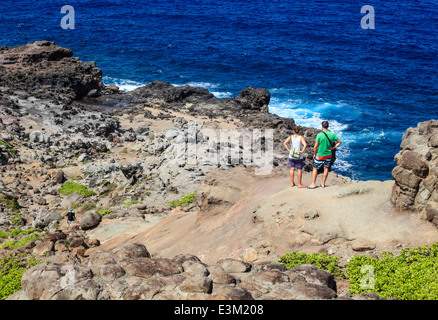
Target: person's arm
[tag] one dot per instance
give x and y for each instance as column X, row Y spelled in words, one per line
column 304, row 144
column 338, row 143
column 286, row 142
column 315, row 148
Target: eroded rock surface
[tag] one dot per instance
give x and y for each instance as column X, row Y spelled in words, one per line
column 416, row 173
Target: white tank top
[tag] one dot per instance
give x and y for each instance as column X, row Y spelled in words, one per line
column 296, row 144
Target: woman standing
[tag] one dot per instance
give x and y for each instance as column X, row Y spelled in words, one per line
column 297, row 147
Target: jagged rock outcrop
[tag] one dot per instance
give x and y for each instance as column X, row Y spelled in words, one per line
column 253, row 99
column 160, row 91
column 42, row 68
column 416, row 173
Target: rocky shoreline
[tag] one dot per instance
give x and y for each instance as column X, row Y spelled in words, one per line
column 118, row 158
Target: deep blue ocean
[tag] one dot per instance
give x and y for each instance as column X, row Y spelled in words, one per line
column 313, row 56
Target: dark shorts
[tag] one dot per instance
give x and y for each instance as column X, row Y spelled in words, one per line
column 296, row 163
column 317, row 164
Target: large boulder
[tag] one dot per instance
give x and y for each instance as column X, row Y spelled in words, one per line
column 44, row 218
column 59, row 282
column 38, row 279
column 146, row 267
column 416, row 173
column 89, row 220
column 313, row 275
column 130, row 250
column 234, row 265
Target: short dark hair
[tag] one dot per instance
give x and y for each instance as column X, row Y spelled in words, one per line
column 325, row 124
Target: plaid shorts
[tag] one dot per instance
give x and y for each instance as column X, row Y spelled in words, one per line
column 319, row 163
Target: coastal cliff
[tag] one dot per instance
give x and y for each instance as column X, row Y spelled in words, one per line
column 416, row 172
column 154, row 223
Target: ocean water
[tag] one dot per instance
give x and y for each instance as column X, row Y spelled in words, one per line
column 313, row 56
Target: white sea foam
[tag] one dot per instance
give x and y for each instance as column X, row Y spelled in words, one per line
column 307, row 116
column 206, row 85
column 311, row 116
column 222, row 94
column 123, row 84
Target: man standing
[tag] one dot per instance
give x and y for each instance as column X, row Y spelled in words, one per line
column 326, row 142
column 70, row 217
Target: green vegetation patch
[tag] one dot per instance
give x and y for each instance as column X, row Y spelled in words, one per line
column 130, row 203
column 411, row 275
column 184, row 200
column 17, row 220
column 11, row 203
column 322, row 261
column 104, row 212
column 9, row 148
column 12, row 269
column 72, row 187
column 14, row 244
column 19, row 232
column 3, row 234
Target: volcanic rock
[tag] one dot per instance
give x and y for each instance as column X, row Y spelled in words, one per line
column 416, row 173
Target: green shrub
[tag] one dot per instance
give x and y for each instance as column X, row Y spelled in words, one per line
column 16, row 244
column 412, row 275
column 72, row 187
column 3, row 235
column 17, row 220
column 184, row 200
column 322, row 261
column 105, row 212
column 18, row 232
column 12, row 269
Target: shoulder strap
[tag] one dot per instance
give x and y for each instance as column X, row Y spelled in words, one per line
column 327, row 137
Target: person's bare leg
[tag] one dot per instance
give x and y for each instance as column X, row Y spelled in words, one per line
column 299, row 176
column 324, row 177
column 291, row 173
column 314, row 175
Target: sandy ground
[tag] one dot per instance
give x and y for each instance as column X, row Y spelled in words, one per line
column 269, row 218
column 156, row 125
